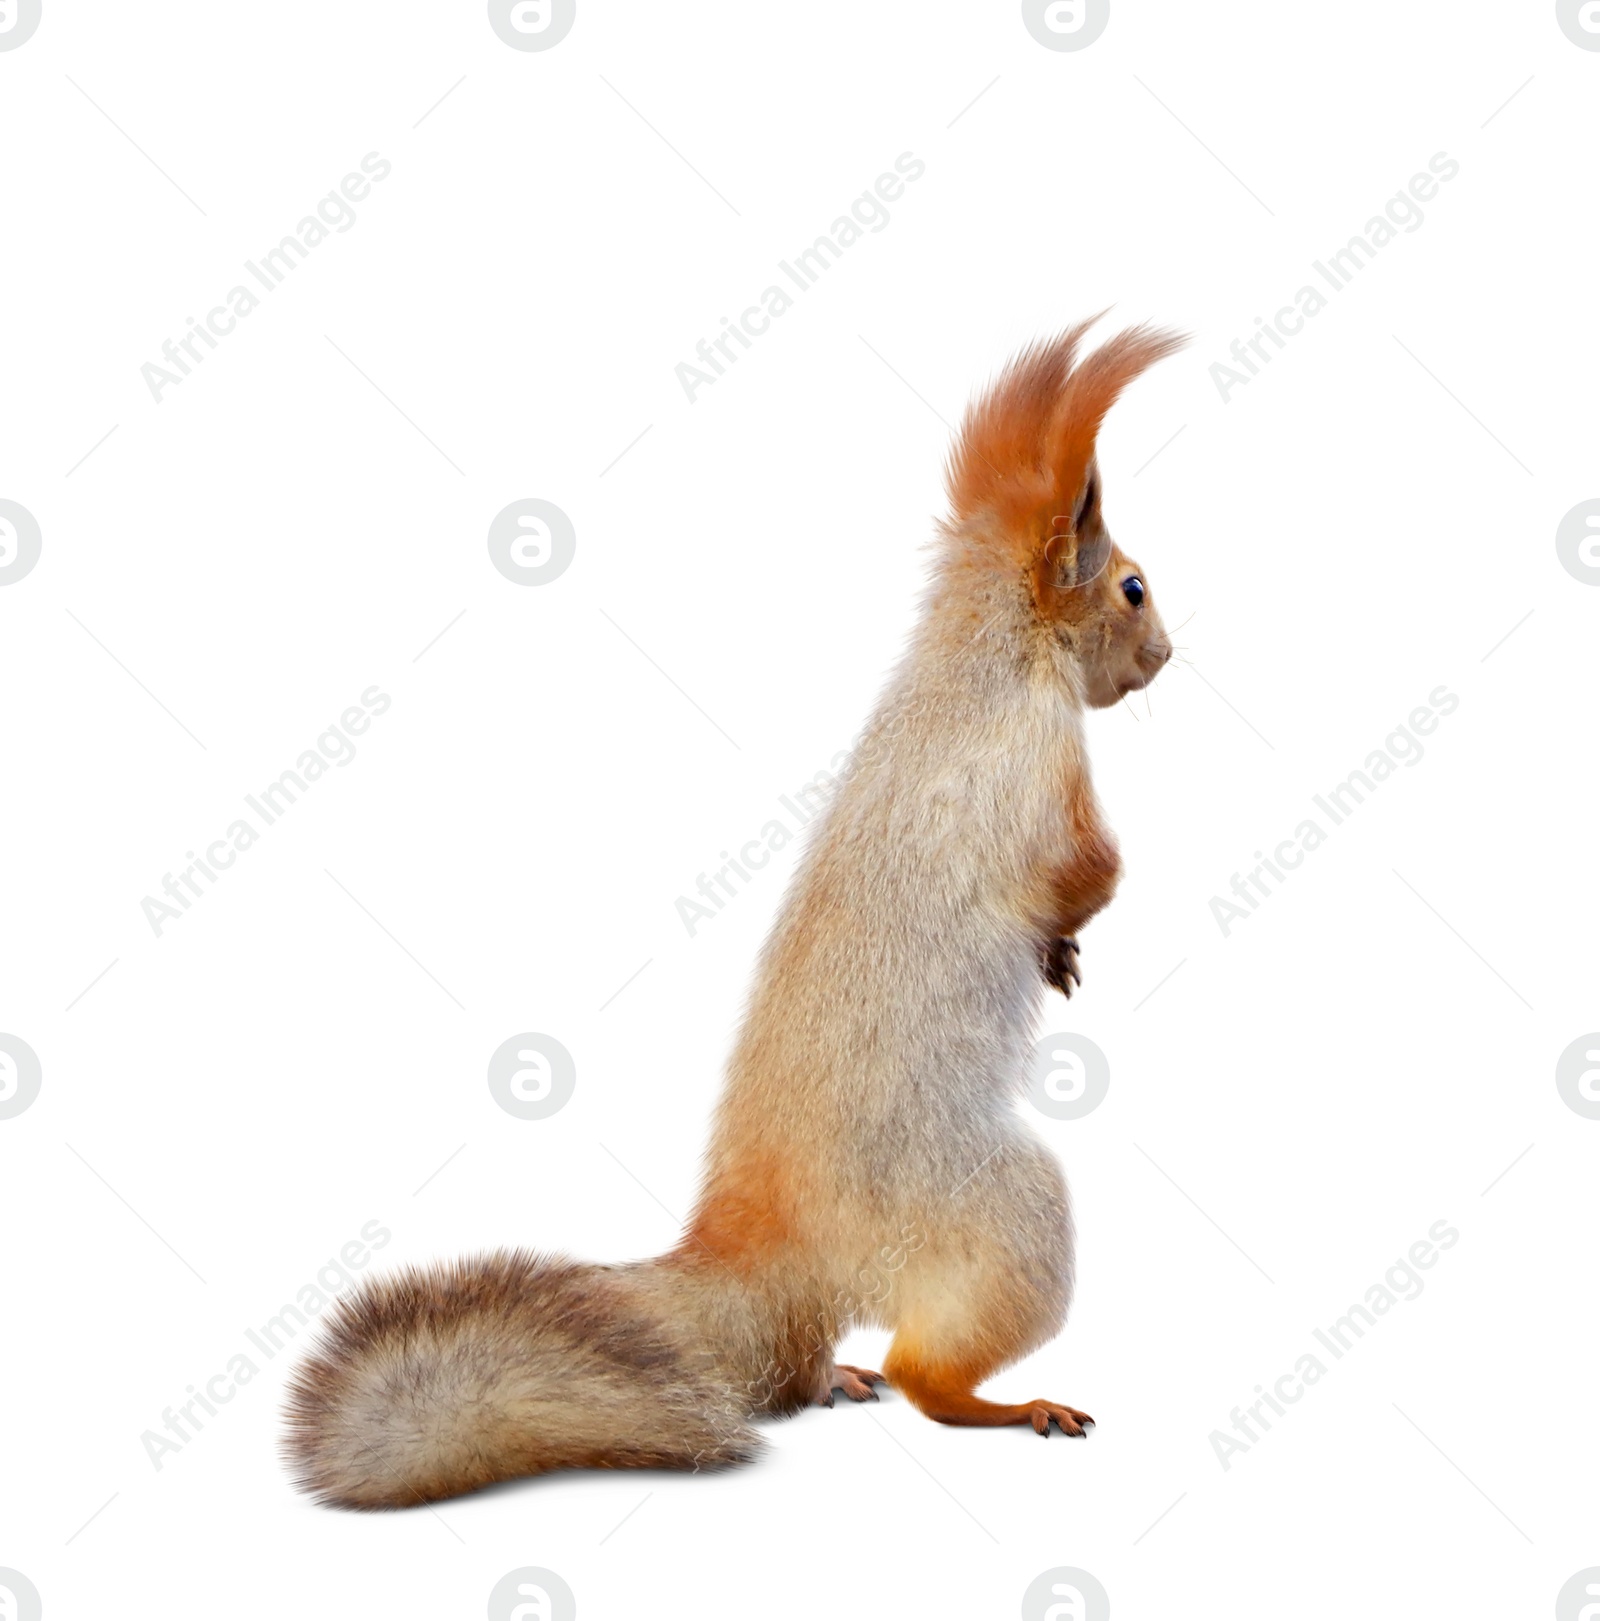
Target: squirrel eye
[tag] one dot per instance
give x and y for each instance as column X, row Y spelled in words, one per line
column 1133, row 590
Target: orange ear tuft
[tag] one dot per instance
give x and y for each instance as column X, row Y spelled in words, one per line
column 1025, row 446
column 1090, row 392
column 1000, row 448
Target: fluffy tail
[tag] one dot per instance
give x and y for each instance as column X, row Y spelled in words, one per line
column 434, row 1382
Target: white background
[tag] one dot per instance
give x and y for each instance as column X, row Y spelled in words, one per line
column 1370, row 518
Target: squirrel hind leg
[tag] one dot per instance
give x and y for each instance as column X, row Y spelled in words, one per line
column 946, row 1392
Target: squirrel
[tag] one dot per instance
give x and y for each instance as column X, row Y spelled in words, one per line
column 867, row 1164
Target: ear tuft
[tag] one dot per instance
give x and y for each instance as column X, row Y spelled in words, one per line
column 1000, row 449
column 1026, row 445
column 1090, row 392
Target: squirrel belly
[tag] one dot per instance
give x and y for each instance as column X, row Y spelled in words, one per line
column 867, row 1166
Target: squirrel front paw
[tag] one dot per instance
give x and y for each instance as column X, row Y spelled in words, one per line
column 1061, row 964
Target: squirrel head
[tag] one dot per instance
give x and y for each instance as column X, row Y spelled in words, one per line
column 1096, row 601
column 1026, row 491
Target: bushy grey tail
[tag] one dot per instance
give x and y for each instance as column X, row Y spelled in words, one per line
column 437, row 1381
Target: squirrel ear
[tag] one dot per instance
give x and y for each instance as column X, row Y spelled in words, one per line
column 1071, row 559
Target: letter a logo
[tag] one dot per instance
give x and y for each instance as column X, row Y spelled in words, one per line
column 538, row 1606
column 1070, row 1609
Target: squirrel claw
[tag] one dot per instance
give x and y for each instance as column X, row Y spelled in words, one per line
column 856, row 1383
column 1061, row 964
column 1070, row 1420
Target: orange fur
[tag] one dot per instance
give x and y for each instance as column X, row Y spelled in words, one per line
column 1088, row 880
column 1026, row 444
column 746, row 1222
column 944, row 1389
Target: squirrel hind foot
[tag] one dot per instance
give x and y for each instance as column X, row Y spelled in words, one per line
column 946, row 1394
column 856, row 1383
column 1068, row 1419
